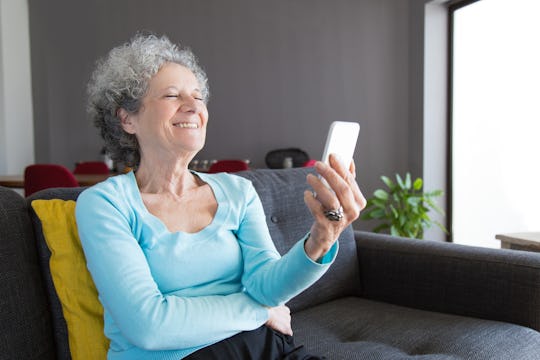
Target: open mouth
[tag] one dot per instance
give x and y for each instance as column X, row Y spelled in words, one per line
column 186, row 125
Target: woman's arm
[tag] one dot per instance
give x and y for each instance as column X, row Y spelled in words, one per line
column 273, row 280
column 128, row 292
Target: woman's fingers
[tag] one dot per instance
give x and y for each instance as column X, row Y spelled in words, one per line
column 352, row 168
column 350, row 178
column 358, row 196
column 314, row 206
column 279, row 319
column 345, row 190
column 325, row 196
column 339, row 180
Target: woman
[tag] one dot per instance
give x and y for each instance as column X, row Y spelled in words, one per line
column 183, row 261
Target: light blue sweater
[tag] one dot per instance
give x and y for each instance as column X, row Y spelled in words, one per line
column 166, row 295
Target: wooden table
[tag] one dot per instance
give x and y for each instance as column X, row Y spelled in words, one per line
column 528, row 241
column 17, row 181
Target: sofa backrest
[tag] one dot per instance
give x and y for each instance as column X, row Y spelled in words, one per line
column 25, row 324
column 288, row 219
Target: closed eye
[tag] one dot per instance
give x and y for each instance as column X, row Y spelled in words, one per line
column 174, row 96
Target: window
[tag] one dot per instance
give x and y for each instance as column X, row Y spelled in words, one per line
column 495, row 119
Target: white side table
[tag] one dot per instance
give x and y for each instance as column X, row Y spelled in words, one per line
column 528, row 241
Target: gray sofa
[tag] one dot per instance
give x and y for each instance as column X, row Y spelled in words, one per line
column 384, row 298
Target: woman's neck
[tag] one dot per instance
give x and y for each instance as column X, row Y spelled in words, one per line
column 165, row 177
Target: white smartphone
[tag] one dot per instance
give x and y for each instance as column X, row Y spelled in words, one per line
column 341, row 140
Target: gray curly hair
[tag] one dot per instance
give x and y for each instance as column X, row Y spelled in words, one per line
column 121, row 79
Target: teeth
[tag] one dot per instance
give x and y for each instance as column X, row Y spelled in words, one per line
column 186, row 125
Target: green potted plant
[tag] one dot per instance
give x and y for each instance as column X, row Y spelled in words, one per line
column 403, row 208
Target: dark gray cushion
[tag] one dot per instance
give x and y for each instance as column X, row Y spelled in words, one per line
column 354, row 328
column 25, row 324
column 58, row 320
column 289, row 219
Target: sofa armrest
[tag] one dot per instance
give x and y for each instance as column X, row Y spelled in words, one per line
column 495, row 284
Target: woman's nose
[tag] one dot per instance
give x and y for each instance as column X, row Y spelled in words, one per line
column 189, row 104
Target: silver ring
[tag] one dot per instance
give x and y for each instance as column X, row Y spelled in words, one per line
column 334, row 215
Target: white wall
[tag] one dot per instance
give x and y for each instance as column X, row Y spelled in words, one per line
column 16, row 115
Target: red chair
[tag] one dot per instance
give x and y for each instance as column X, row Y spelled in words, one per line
column 43, row 176
column 228, row 166
column 91, row 167
column 309, row 163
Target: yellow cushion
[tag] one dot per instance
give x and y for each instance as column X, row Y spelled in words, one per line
column 74, row 285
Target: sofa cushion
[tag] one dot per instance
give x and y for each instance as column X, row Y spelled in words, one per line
column 355, row 328
column 289, row 219
column 25, row 324
column 73, row 283
column 59, row 323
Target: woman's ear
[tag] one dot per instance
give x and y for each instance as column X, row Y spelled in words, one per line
column 126, row 120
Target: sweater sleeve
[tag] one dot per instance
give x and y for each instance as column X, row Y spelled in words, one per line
column 273, row 280
column 146, row 317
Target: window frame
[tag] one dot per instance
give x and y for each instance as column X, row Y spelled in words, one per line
column 453, row 6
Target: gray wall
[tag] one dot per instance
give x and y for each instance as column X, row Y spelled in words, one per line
column 280, row 71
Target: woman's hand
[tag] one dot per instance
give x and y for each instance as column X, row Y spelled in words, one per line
column 345, row 196
column 279, row 319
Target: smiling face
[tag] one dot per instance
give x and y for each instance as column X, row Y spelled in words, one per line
column 173, row 115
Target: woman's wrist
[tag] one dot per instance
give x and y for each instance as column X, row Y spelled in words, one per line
column 313, row 250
